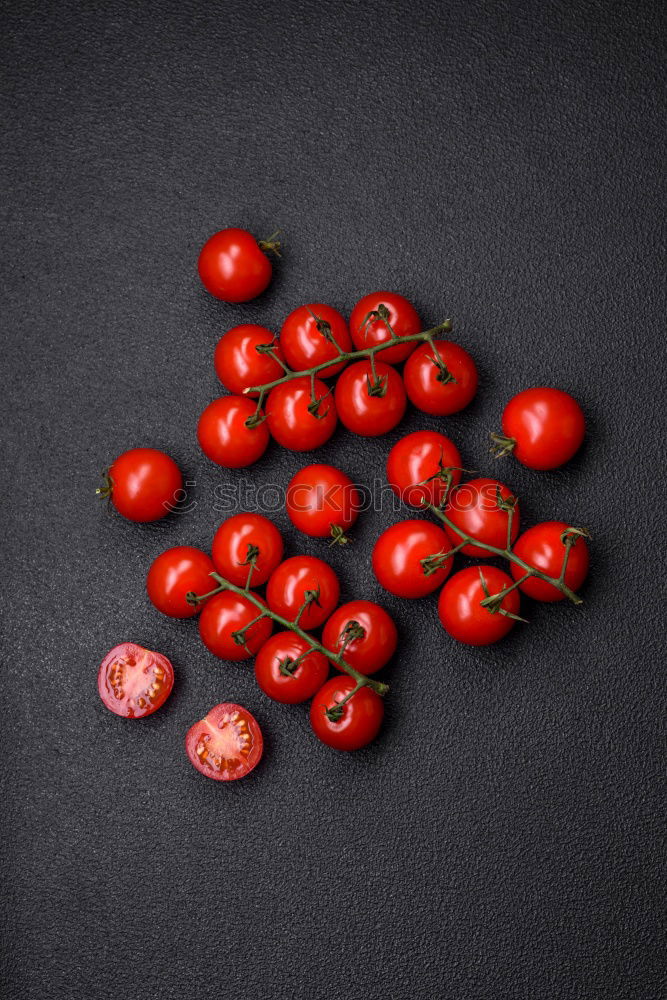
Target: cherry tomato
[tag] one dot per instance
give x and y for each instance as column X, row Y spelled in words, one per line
column 543, row 547
column 460, row 608
column 415, row 467
column 441, row 379
column 246, row 539
column 143, row 484
column 277, row 674
column 311, row 335
column 225, row 614
column 295, row 419
column 370, row 404
column 407, row 558
column 368, row 327
column 323, row 502
column 226, row 744
column 175, row 573
column 298, row 579
column 369, row 652
column 543, row 428
column 134, row 682
column 476, row 508
column 233, row 266
column 238, row 362
column 224, row 435
column 353, row 726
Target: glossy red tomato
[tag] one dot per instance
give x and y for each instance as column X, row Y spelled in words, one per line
column 543, row 428
column 238, row 362
column 369, row 324
column 460, row 608
column 224, row 435
column 283, row 675
column 370, row 405
column 441, row 379
column 244, row 539
column 226, row 744
column 476, row 508
column 407, row 558
column 311, row 335
column 367, row 652
column 543, row 548
column 175, row 573
column 415, row 467
column 295, row 419
column 323, row 502
column 225, row 614
column 354, row 725
column 143, row 484
column 298, row 579
column 233, row 266
column 134, row 682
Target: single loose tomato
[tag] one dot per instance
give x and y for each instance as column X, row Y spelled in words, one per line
column 226, row 744
column 544, row 547
column 409, row 558
column 228, row 433
column 143, row 484
column 311, row 335
column 349, row 726
column 376, row 315
column 417, row 464
column 543, row 428
column 460, row 605
column 481, row 508
column 440, row 379
column 323, row 502
column 176, row 573
column 246, row 356
column 247, row 541
column 134, row 682
column 289, row 670
column 301, row 414
column 370, row 403
column 364, row 633
column 225, row 626
column 233, row 265
column 303, row 589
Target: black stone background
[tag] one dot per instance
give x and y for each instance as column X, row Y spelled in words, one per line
column 496, row 162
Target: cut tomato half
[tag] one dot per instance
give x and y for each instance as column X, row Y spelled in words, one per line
column 133, row 681
column 226, row 744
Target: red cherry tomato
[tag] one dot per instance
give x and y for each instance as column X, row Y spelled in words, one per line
column 311, row 335
column 294, row 582
column 353, row 726
column 225, row 614
column 368, row 328
column 322, row 502
column 476, row 508
column 175, row 573
column 233, row 267
column 406, row 558
column 369, row 652
column 415, row 467
column 224, row 435
column 460, row 608
column 143, row 484
column 295, row 419
column 226, row 744
column 246, row 539
column 543, row 428
column 370, row 404
column 543, row 548
column 134, row 682
column 441, row 379
column 283, row 675
column 238, row 362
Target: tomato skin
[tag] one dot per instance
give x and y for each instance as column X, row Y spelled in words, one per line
column 541, row 547
column 403, row 319
column 289, row 420
column 238, row 363
column 224, row 437
column 548, row 426
column 398, row 553
column 361, row 719
column 228, row 612
column 473, row 508
column 288, row 689
column 423, row 386
column 122, row 685
column 288, row 584
column 232, row 267
column 416, row 458
column 303, row 344
column 322, row 500
column 460, row 610
column 226, row 744
column 371, row 652
column 368, row 415
column 145, row 484
column 175, row 573
column 230, row 548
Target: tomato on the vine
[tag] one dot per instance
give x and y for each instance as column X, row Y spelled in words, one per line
column 224, row 617
column 460, row 605
column 543, row 547
column 370, row 403
column 243, row 541
column 408, row 558
column 543, row 428
column 364, row 633
column 287, row 672
column 297, row 419
column 311, row 335
column 322, row 502
column 416, row 467
column 133, row 681
column 233, row 266
column 352, row 725
column 372, row 317
column 242, row 358
column 440, row 379
column 228, row 434
column 303, row 584
column 143, row 484
column 226, row 744
column 480, row 508
column 176, row 573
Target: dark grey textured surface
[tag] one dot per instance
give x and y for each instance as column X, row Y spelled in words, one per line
column 497, row 162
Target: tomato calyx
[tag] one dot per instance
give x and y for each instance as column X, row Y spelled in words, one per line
column 338, row 536
column 104, row 492
column 335, row 712
column 493, row 602
column 271, row 245
column 256, row 418
column 431, row 564
column 501, row 445
column 444, row 375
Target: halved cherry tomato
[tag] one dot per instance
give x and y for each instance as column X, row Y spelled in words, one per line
column 233, row 266
column 299, row 581
column 241, row 359
column 353, row 726
column 370, row 404
column 460, row 605
column 441, row 379
column 311, row 335
column 225, row 436
column 416, row 464
column 287, row 672
column 365, row 634
column 246, row 540
column 407, row 558
column 223, row 617
column 296, row 419
column 143, row 484
column 374, row 314
column 176, row 573
column 226, row 744
column 543, row 428
column 323, row 502
column 543, row 547
column 133, row 681
column 480, row 508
